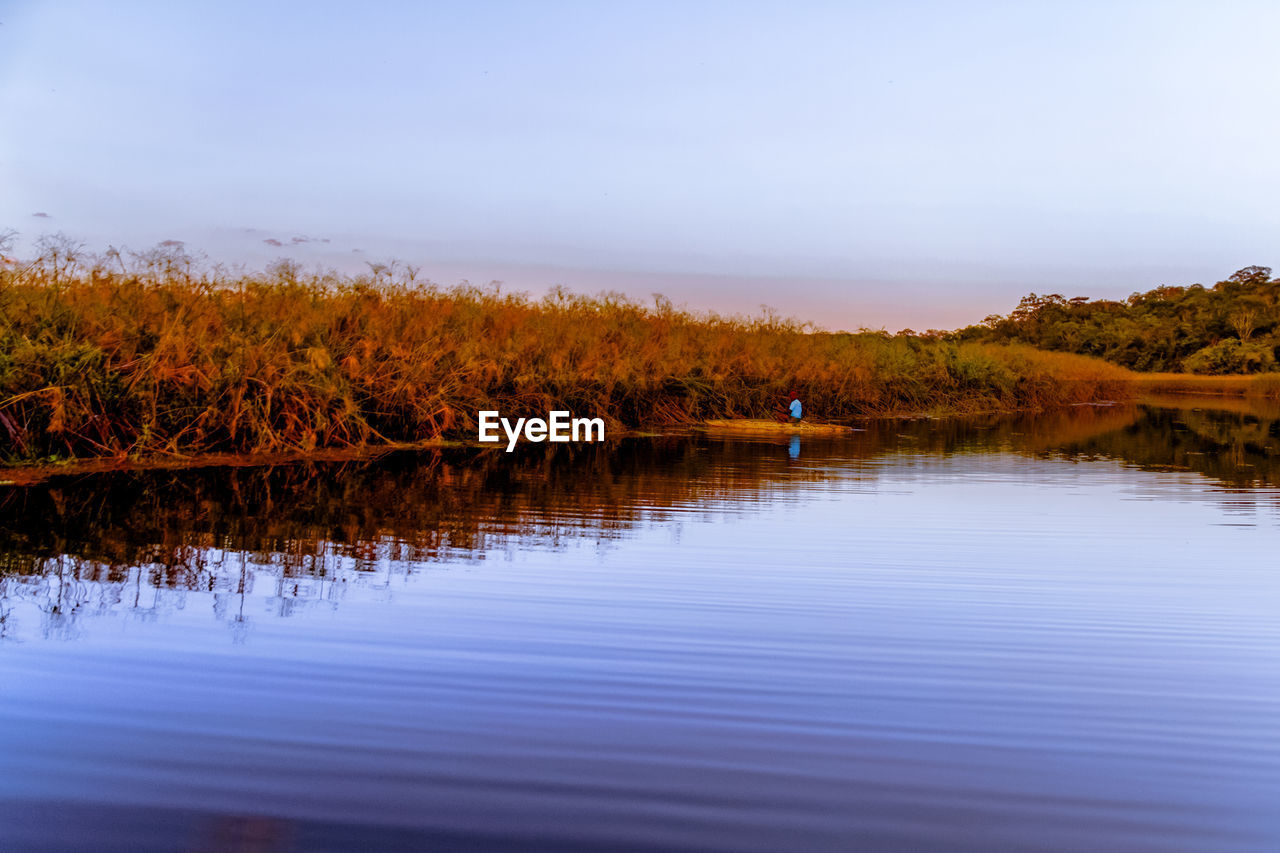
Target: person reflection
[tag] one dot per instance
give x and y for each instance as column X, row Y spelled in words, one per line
column 793, row 450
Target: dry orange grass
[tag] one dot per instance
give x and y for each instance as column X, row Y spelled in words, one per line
column 112, row 358
column 1241, row 385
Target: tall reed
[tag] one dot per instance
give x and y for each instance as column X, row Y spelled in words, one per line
column 154, row 353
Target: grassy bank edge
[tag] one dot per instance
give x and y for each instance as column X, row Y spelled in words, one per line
column 32, row 472
column 1263, row 385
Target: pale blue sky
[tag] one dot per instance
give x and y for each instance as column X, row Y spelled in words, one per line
column 895, row 163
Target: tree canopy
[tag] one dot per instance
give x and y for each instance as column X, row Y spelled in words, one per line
column 1231, row 327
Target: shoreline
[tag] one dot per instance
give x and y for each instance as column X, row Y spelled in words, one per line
column 1149, row 389
column 1155, row 390
column 23, row 474
column 29, row 474
column 1258, row 385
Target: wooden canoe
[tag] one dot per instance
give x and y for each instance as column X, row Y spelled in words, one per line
column 763, row 427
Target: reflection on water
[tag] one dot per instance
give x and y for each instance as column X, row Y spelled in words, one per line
column 1043, row 632
column 1238, row 446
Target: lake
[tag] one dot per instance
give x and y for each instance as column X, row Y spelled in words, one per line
column 1055, row 632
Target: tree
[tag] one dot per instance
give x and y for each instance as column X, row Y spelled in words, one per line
column 1230, row 356
column 1153, row 330
column 1244, row 320
column 1251, row 275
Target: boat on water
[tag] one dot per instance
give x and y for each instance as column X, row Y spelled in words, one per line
column 764, row 427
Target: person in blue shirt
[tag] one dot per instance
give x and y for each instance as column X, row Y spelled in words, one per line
column 797, row 411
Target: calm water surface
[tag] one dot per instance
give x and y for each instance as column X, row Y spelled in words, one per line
column 1052, row 633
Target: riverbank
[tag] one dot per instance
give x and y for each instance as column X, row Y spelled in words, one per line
column 1263, row 385
column 30, row 473
column 154, row 357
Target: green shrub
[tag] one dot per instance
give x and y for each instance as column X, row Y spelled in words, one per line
column 1230, row 356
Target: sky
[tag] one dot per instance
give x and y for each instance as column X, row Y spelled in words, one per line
column 873, row 164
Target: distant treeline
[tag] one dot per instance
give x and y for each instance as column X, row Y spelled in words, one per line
column 1231, row 327
column 156, row 352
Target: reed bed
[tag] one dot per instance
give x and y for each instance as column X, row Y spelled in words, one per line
column 152, row 355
